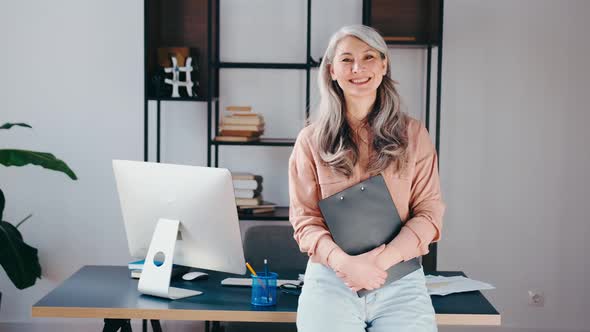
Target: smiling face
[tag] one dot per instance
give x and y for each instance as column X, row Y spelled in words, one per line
column 357, row 67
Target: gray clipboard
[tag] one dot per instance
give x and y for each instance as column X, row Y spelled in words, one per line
column 363, row 217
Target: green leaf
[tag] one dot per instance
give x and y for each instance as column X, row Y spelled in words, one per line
column 10, row 125
column 19, row 260
column 10, row 157
column 2, row 204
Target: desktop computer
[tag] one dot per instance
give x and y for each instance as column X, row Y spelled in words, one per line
column 178, row 214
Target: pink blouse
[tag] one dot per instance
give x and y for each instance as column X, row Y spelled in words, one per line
column 415, row 192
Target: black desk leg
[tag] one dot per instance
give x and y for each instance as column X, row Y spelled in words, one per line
column 113, row 325
column 156, row 327
column 213, row 326
column 216, row 327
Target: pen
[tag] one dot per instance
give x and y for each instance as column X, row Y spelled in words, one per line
column 251, row 269
column 266, row 268
column 268, row 297
column 254, row 274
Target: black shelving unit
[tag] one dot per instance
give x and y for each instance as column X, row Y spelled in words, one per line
column 428, row 36
column 417, row 23
column 217, row 65
column 281, row 212
column 171, row 23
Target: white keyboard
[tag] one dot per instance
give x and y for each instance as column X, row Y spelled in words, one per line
column 247, row 282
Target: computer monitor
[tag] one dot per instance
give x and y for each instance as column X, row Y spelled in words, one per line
column 187, row 214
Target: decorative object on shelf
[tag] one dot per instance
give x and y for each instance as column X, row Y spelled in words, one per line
column 19, row 260
column 175, row 60
column 165, row 55
column 175, row 81
column 241, row 125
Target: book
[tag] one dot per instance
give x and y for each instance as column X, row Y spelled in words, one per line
column 246, row 193
column 237, row 138
column 245, row 133
column 138, row 265
column 256, row 128
column 239, row 108
column 177, row 270
column 263, row 204
column 248, row 184
column 243, row 120
column 244, row 176
column 244, row 114
column 252, row 210
column 249, row 201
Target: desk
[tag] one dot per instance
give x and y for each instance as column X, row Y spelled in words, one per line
column 109, row 292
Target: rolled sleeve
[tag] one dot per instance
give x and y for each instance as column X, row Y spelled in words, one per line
column 426, row 205
column 310, row 230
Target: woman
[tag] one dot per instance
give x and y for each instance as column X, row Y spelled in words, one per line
column 360, row 132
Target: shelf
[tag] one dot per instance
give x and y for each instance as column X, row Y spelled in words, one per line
column 410, row 43
column 197, row 99
column 261, row 142
column 401, row 21
column 180, row 23
column 252, row 65
column 280, row 213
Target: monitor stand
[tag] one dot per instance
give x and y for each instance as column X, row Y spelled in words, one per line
column 155, row 280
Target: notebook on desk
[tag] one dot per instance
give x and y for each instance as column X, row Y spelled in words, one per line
column 247, row 282
column 363, row 217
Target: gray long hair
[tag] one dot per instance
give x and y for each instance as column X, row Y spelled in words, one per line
column 337, row 147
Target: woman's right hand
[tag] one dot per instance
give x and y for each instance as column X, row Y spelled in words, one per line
column 360, row 271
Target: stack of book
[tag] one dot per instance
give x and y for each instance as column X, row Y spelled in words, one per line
column 248, row 193
column 241, row 125
column 247, row 188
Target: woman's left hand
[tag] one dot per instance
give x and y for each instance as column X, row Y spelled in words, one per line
column 348, row 282
column 383, row 261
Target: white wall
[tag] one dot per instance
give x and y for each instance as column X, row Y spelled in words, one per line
column 513, row 77
column 513, row 155
column 72, row 70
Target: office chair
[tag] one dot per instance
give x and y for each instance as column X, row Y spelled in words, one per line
column 276, row 244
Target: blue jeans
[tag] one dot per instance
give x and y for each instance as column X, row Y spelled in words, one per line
column 326, row 304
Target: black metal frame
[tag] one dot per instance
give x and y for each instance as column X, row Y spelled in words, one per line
column 145, row 81
column 216, row 65
column 213, row 113
column 124, row 325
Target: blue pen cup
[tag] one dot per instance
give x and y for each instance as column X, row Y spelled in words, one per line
column 264, row 289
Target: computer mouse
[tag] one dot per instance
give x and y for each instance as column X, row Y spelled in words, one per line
column 195, row 275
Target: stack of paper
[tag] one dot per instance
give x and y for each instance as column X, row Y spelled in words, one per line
column 439, row 285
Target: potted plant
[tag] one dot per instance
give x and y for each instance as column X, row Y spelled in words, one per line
column 20, row 260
